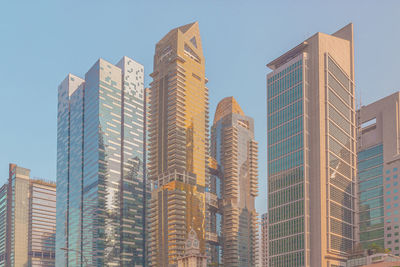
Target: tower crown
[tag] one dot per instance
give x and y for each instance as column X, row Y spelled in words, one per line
column 226, row 106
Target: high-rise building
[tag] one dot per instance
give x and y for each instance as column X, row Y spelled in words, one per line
column 312, row 152
column 378, row 150
column 27, row 220
column 178, row 145
column 264, row 240
column 100, row 163
column 236, row 152
column 213, row 213
column 17, row 216
column 42, row 223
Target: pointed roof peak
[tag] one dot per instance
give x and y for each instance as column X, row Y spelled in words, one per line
column 186, row 27
column 345, row 33
column 227, row 105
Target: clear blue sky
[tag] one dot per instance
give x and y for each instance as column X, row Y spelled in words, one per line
column 42, row 41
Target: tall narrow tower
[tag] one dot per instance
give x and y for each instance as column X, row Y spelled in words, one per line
column 178, row 144
column 234, row 148
column 100, row 163
column 312, row 152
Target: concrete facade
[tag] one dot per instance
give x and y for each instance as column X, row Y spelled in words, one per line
column 236, row 152
column 178, row 145
column 264, row 240
column 312, row 152
column 27, row 220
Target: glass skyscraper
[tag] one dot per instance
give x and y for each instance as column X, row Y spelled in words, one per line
column 378, row 150
column 312, row 153
column 100, row 167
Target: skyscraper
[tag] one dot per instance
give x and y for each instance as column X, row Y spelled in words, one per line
column 264, row 240
column 236, row 151
column 378, row 149
column 312, row 152
column 214, row 213
column 100, row 162
column 178, row 145
column 27, row 220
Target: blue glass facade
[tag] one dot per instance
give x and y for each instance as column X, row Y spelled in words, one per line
column 286, row 165
column 104, row 190
column 370, row 171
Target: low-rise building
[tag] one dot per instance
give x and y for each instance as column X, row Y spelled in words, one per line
column 375, row 260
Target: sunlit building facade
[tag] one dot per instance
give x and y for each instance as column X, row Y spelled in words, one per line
column 100, row 167
column 312, row 153
column 236, row 152
column 17, row 216
column 178, row 145
column 27, row 220
column 264, row 240
column 378, row 149
column 213, row 213
column 42, row 223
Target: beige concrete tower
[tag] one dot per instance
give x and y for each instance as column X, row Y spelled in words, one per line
column 178, row 145
column 264, row 240
column 29, row 210
column 312, row 152
column 378, row 149
column 236, row 151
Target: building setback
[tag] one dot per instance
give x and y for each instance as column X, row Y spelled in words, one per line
column 236, row 152
column 378, row 151
column 100, row 163
column 27, row 220
column 312, row 152
column 178, row 145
